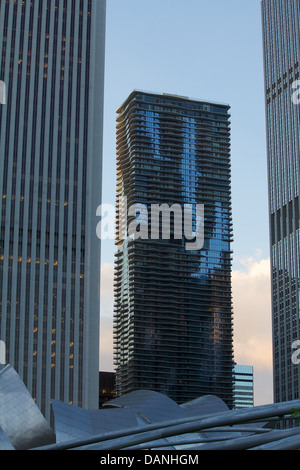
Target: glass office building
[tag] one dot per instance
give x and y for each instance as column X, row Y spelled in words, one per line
column 243, row 389
column 173, row 303
column 52, row 61
column 281, row 21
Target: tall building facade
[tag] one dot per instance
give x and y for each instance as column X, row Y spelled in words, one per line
column 173, row 306
column 52, row 64
column 243, row 389
column 281, row 21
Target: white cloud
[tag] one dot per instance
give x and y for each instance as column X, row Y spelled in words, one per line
column 252, row 322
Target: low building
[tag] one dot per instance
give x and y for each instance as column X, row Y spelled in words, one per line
column 106, row 387
column 243, row 390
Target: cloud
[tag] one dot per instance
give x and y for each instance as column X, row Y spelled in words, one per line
column 252, row 322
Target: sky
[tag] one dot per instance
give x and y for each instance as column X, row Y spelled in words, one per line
column 210, row 50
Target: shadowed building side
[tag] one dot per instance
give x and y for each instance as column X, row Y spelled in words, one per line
column 281, row 41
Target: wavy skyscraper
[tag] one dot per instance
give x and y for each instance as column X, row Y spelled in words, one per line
column 52, row 65
column 173, row 305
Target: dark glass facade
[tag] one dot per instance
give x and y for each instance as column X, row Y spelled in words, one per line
column 281, row 21
column 50, row 174
column 173, row 306
column 106, row 387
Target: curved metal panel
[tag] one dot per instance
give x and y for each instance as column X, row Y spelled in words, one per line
column 152, row 405
column 205, row 405
column 5, row 443
column 139, row 408
column 20, row 418
column 72, row 422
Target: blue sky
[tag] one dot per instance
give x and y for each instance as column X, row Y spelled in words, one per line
column 205, row 50
column 209, row 50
